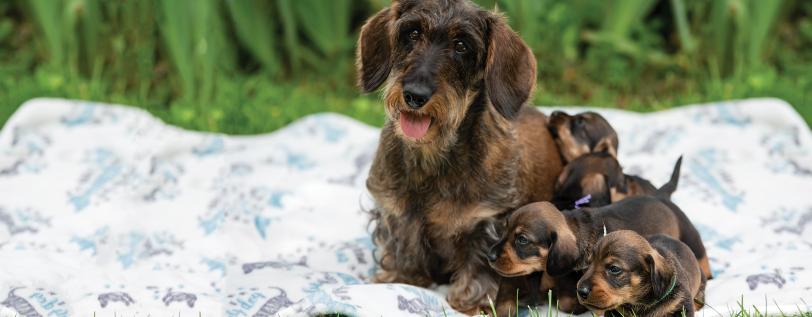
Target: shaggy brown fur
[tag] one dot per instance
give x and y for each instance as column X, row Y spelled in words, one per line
column 484, row 153
column 634, row 276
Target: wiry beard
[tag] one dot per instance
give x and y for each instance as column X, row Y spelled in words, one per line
column 447, row 108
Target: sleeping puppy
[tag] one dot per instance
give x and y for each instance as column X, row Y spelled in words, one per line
column 539, row 237
column 586, row 132
column 600, row 176
column 634, row 276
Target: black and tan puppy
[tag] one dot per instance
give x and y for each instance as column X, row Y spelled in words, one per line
column 600, row 176
column 458, row 147
column 539, row 237
column 586, row 132
column 633, row 276
column 531, row 289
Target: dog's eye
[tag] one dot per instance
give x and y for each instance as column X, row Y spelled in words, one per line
column 614, row 270
column 460, row 47
column 414, row 35
column 579, row 122
column 522, row 240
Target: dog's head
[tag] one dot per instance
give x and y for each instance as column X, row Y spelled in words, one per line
column 435, row 58
column 586, row 132
column 536, row 238
column 595, row 174
column 625, row 269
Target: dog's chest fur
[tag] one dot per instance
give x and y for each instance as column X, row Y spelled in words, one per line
column 435, row 214
column 475, row 180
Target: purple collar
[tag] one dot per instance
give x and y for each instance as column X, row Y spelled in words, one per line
column 583, row 201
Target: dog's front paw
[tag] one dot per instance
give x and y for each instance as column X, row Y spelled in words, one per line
column 469, row 294
column 383, row 276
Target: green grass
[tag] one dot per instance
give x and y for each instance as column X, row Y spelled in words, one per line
column 254, row 104
column 253, row 66
column 741, row 309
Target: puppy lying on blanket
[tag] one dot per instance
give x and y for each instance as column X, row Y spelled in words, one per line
column 600, row 176
column 538, row 237
column 586, row 132
column 635, row 276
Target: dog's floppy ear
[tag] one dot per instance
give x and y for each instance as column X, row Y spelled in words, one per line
column 510, row 68
column 563, row 253
column 605, row 145
column 661, row 274
column 374, row 54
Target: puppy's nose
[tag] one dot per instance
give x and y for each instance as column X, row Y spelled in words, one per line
column 493, row 255
column 583, row 291
column 416, row 95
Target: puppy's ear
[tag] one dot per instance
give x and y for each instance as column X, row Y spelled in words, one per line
column 510, row 69
column 598, row 186
column 374, row 54
column 661, row 274
column 563, row 253
column 615, row 177
column 605, row 145
column 562, row 178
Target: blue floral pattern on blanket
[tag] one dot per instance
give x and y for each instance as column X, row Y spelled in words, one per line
column 108, row 210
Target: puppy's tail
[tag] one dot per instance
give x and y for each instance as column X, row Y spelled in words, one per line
column 669, row 188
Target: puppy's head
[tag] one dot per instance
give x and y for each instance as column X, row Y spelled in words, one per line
column 596, row 174
column 435, row 58
column 536, row 238
column 625, row 269
column 586, row 132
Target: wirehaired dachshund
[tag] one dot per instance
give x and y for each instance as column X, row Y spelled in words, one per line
column 630, row 275
column 458, row 148
column 586, row 132
column 600, row 176
column 540, row 238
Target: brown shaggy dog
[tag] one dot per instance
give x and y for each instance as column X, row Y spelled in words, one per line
column 458, row 148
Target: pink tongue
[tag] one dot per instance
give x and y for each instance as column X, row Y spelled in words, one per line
column 414, row 125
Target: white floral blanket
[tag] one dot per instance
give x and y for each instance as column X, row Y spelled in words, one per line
column 105, row 209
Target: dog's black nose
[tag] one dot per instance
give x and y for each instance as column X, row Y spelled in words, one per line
column 583, row 291
column 416, row 95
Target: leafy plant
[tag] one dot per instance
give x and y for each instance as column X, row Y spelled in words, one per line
column 251, row 65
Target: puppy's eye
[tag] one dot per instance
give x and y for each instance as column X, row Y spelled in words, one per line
column 614, row 270
column 414, row 35
column 579, row 121
column 522, row 240
column 460, row 47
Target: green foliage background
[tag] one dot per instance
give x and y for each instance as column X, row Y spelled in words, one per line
column 252, row 66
